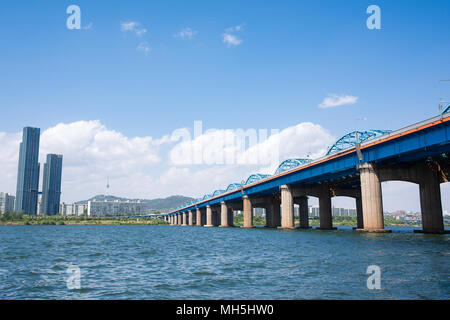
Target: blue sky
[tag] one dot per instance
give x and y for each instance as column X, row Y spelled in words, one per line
column 292, row 55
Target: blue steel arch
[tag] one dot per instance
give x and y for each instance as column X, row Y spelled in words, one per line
column 233, row 186
column 290, row 164
column 446, row 109
column 217, row 192
column 255, row 177
column 350, row 139
column 206, row 196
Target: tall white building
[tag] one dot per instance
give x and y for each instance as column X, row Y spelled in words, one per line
column 72, row 209
column 6, row 202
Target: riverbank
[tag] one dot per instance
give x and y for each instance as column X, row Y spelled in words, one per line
column 16, row 220
column 19, row 220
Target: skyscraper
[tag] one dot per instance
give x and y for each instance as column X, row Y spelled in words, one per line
column 51, row 184
column 28, row 173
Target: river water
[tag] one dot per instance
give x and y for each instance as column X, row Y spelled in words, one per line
column 174, row 262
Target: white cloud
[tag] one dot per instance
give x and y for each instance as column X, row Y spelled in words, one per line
column 186, row 33
column 9, row 150
column 134, row 27
column 144, row 47
column 225, row 161
column 128, row 26
column 334, row 100
column 229, row 37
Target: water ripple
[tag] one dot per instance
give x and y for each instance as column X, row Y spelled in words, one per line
column 163, row 262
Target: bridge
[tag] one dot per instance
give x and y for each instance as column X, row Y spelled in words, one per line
column 355, row 166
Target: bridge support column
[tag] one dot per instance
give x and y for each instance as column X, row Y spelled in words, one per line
column 248, row 212
column 184, row 215
column 359, row 213
column 230, row 217
column 223, row 215
column 372, row 202
column 430, row 201
column 209, row 222
column 190, row 218
column 216, row 218
column 303, row 212
column 325, row 216
column 269, row 215
column 276, row 216
column 198, row 217
column 287, row 208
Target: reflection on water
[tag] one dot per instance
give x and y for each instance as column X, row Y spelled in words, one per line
column 169, row 262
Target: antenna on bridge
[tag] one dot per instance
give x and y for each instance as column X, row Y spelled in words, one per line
column 442, row 102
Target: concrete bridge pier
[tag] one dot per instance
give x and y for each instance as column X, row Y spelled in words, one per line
column 371, row 199
column 269, row 215
column 359, row 213
column 224, row 220
column 216, row 217
column 303, row 212
column 248, row 212
column 230, row 217
column 325, row 215
column 184, row 218
column 190, row 218
column 430, row 200
column 287, row 208
column 209, row 222
column 276, row 213
column 198, row 217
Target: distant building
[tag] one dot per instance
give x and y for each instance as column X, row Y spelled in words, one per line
column 314, row 211
column 115, row 208
column 39, row 204
column 336, row 212
column 72, row 209
column 28, row 172
column 51, row 184
column 6, row 202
